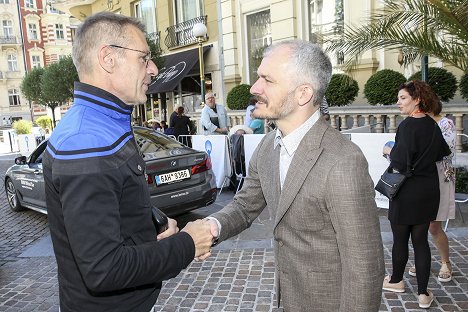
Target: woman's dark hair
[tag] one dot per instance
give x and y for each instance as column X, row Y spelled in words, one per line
column 428, row 100
column 437, row 108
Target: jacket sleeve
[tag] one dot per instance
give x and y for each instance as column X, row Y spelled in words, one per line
column 107, row 262
column 247, row 204
column 353, row 213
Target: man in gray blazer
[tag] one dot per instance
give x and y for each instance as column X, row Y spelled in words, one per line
column 315, row 182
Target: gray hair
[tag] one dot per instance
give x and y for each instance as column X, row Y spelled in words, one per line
column 100, row 28
column 308, row 65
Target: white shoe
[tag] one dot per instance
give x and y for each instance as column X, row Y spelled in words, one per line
column 425, row 301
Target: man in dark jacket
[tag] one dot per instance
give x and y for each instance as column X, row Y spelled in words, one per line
column 109, row 256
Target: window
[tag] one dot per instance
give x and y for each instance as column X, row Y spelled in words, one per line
column 315, row 20
column 4, row 1
column 14, row 97
column 137, row 10
column 29, row 4
column 32, row 30
column 35, row 61
column 187, row 9
column 7, row 28
column 148, row 15
column 12, row 64
column 258, row 37
column 59, row 31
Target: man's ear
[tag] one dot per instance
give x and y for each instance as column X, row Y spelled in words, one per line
column 106, row 57
column 304, row 94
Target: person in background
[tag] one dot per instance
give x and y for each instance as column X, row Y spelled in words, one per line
column 324, row 109
column 257, row 125
column 418, row 140
column 316, row 186
column 248, row 111
column 173, row 115
column 446, row 173
column 163, row 125
column 109, row 254
column 156, row 126
column 183, row 126
column 214, row 118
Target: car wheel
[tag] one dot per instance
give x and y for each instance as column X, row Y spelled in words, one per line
column 12, row 196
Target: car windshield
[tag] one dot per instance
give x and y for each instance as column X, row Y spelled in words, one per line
column 151, row 142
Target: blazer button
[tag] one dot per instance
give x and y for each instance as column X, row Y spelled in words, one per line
column 281, row 243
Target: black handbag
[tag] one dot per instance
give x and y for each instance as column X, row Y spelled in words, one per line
column 391, row 181
column 160, row 220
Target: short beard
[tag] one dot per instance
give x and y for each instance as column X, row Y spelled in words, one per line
column 287, row 106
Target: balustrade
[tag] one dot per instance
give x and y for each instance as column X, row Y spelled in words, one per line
column 378, row 118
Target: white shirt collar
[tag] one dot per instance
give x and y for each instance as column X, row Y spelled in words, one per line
column 292, row 140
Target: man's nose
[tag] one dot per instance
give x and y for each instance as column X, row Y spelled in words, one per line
column 255, row 88
column 152, row 69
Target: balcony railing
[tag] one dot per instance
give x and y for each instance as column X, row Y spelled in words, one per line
column 376, row 119
column 181, row 34
column 8, row 40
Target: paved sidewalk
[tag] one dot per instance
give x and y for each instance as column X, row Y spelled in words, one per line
column 238, row 277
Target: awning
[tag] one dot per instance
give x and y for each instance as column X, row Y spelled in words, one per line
column 176, row 66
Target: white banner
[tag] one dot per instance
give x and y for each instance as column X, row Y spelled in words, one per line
column 250, row 144
column 371, row 144
column 217, row 149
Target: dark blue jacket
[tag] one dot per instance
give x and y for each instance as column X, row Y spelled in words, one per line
column 100, row 213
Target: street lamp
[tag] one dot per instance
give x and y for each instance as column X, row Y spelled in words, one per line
column 199, row 31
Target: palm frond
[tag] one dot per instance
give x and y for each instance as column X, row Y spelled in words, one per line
column 417, row 27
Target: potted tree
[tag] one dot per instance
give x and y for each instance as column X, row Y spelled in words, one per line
column 26, row 140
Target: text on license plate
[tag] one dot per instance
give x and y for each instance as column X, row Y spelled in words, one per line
column 172, row 176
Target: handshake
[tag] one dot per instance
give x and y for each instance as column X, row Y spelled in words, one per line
column 203, row 232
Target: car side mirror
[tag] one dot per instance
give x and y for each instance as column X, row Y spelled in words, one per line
column 20, row 160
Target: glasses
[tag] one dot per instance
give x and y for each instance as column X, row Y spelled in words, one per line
column 146, row 57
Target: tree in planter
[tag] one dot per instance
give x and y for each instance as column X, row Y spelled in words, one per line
column 44, row 122
column 31, row 85
column 51, row 86
column 22, row 126
column 239, row 96
column 382, row 87
column 341, row 90
column 58, row 83
column 464, row 86
column 441, row 81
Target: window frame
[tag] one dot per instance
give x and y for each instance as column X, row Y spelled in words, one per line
column 30, row 4
column 14, row 97
column 36, row 62
column 7, row 28
column 12, row 61
column 32, row 33
column 58, row 31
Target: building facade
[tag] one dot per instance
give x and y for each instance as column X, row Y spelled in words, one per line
column 238, row 32
column 33, row 34
column 13, row 106
column 47, row 36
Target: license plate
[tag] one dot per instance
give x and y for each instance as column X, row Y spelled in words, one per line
column 172, row 177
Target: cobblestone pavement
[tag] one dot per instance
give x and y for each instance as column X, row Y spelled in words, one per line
column 238, row 277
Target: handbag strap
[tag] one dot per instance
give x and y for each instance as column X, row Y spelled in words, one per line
column 411, row 168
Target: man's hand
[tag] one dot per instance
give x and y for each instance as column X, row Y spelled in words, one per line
column 222, row 130
column 200, row 231
column 214, row 232
column 171, row 229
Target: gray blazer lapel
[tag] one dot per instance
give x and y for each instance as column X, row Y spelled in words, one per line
column 304, row 159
